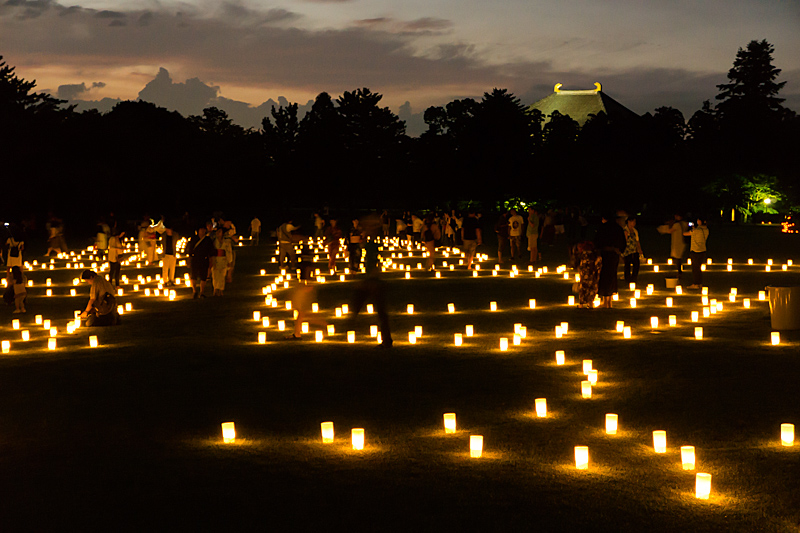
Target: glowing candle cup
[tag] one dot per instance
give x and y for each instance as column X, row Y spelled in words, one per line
column 228, row 432
column 612, row 421
column 702, row 488
column 475, row 446
column 327, row 432
column 660, row 441
column 449, row 422
column 541, row 407
column 687, row 457
column 357, row 438
column 582, row 457
column 787, row 434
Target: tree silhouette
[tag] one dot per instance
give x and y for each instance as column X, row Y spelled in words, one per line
column 752, row 92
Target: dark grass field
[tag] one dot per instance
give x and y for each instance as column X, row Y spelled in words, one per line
column 127, row 436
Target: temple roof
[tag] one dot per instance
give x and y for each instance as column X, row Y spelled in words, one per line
column 580, row 104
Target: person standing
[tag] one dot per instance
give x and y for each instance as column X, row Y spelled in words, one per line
column 429, row 238
column 515, row 223
column 333, row 235
column 15, row 248
column 416, row 227
column 589, row 264
column 372, row 286
column 633, row 251
column 319, row 225
column 471, row 236
column 168, row 262
column 200, row 250
column 697, row 251
column 286, row 244
column 18, row 281
column 676, row 228
column 501, row 229
column 354, row 246
column 532, row 232
column 255, row 230
column 219, row 265
column 115, row 249
column 610, row 241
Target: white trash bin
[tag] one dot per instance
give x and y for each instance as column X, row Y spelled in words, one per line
column 784, row 307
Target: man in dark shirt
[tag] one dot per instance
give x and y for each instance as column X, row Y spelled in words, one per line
column 610, row 241
column 200, row 250
column 471, row 236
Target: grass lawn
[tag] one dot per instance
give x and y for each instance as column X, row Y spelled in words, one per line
column 127, row 436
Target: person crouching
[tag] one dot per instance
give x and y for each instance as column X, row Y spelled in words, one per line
column 102, row 307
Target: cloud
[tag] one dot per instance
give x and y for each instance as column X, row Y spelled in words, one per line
column 425, row 25
column 77, row 91
column 189, row 97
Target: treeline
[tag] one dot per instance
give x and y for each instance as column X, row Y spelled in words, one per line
column 351, row 152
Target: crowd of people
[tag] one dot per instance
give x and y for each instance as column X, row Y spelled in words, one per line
column 211, row 248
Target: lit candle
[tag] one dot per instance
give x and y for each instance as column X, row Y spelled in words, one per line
column 687, row 457
column 503, row 344
column 660, row 441
column 15, row 323
column 262, row 337
column 587, row 365
column 51, row 343
column 626, row 332
column 532, row 303
column 592, row 375
column 228, row 432
column 653, row 322
column 6, row 346
column 256, row 315
column 611, row 423
column 787, row 434
column 570, row 300
column 565, row 327
column 93, row 341
column 318, row 335
column 620, row 326
column 327, row 432
column 633, row 302
column 373, row 330
column 351, row 337
column 746, row 303
column 451, row 308
column 586, row 389
column 560, row 357
column 449, row 422
column 412, row 337
column 418, row 331
column 541, row 407
column 582, row 457
column 695, row 316
column 669, row 301
column 775, row 337
column 357, row 438
column 762, row 295
column 559, row 332
column 673, row 320
column 469, row 331
column 493, row 306
column 26, row 335
column 702, row 488
column 475, row 446
column 458, row 339
column 281, row 325
column 698, row 332
column 410, row 309
column 370, row 309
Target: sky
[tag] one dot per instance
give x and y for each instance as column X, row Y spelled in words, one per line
column 245, row 56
